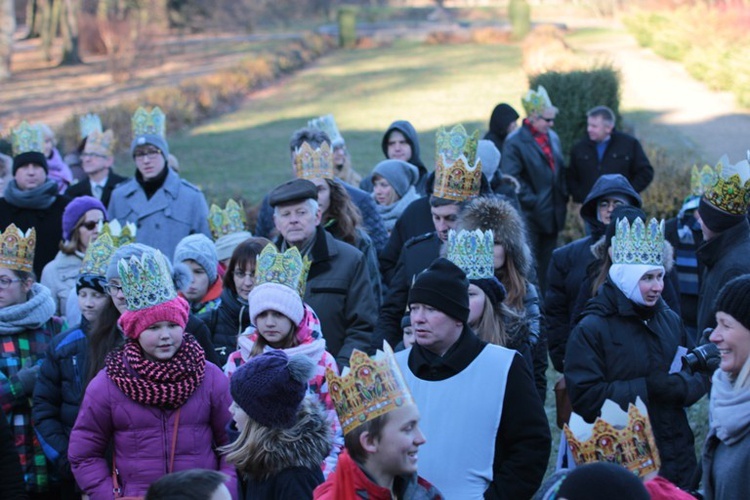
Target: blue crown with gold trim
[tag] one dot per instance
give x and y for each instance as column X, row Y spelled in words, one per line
column 472, row 251
column 638, row 243
column 146, row 280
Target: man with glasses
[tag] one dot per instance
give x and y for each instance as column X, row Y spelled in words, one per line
column 533, row 155
column 97, row 160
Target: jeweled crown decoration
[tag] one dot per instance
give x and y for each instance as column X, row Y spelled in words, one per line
column 228, row 220
column 89, row 123
column 472, row 251
column 146, row 280
column 17, row 248
column 121, row 235
column 536, row 101
column 616, row 437
column 327, row 124
column 727, row 186
column 368, row 388
column 458, row 170
column 152, row 122
column 98, row 254
column 27, row 138
column 638, row 243
column 312, row 163
column 700, row 178
column 287, row 268
column 100, row 143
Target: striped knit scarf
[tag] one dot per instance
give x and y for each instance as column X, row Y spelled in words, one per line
column 165, row 384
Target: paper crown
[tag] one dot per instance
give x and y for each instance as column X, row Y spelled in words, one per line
column 327, row 124
column 152, row 122
column 536, row 101
column 727, row 186
column 146, row 281
column 100, row 143
column 288, row 268
column 616, row 437
column 226, row 221
column 368, row 388
column 312, row 163
column 27, row 138
column 100, row 251
column 17, row 248
column 458, row 170
column 638, row 243
column 472, row 251
column 89, row 123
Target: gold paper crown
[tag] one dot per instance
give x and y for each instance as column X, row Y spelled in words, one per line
column 327, row 124
column 288, row 268
column 638, row 243
column 100, row 251
column 727, row 187
column 100, row 143
column 17, row 249
column 120, row 235
column 27, row 138
column 312, row 163
column 149, row 122
column 472, row 251
column 89, row 123
column 368, row 388
column 458, row 170
column 616, row 437
column 146, row 281
column 536, row 101
column 230, row 220
column 700, row 178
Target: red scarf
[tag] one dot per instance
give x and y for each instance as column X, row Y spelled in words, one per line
column 347, row 480
column 543, row 141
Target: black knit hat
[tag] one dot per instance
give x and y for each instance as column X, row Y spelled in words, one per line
column 734, row 299
column 443, row 286
column 715, row 219
column 602, row 480
column 492, row 288
column 34, row 157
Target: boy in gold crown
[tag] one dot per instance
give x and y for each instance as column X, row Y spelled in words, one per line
column 381, row 433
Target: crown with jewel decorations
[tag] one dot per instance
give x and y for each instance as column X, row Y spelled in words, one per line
column 100, row 143
column 100, row 251
column 536, row 101
column 638, row 243
column 327, row 124
column 89, row 123
column 121, row 235
column 17, row 248
column 472, row 251
column 727, row 186
column 458, row 170
column 368, row 388
column 616, row 437
column 27, row 138
column 700, row 178
column 146, row 280
column 287, row 268
column 226, row 221
column 312, row 163
column 152, row 122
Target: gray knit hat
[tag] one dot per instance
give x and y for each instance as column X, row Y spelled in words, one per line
column 153, row 139
column 201, row 249
column 400, row 175
column 490, row 157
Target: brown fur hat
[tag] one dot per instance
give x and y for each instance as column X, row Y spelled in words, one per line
column 493, row 212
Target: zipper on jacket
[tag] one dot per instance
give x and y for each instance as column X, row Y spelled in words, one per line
column 77, row 375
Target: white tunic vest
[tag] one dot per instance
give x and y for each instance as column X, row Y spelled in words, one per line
column 460, row 419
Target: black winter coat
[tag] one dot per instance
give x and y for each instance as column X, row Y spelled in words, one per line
column 83, row 188
column 609, row 355
column 11, row 475
column 225, row 323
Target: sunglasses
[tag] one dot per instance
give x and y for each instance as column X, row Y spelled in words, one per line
column 91, row 224
column 548, row 120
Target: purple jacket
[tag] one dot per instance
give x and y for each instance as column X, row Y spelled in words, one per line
column 142, row 436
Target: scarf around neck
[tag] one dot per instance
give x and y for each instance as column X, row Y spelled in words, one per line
column 544, row 142
column 729, row 409
column 390, row 213
column 39, row 198
column 33, row 313
column 164, row 384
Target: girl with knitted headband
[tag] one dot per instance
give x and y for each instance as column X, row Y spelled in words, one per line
column 136, row 402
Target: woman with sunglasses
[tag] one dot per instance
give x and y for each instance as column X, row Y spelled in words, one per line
column 81, row 223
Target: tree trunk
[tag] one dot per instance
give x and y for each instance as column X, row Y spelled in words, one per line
column 71, row 10
column 7, row 28
column 32, row 19
column 50, row 25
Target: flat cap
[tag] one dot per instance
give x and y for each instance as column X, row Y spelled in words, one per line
column 293, row 191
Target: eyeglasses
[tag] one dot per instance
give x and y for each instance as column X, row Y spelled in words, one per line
column 610, row 203
column 548, row 120
column 150, row 154
column 113, row 289
column 241, row 276
column 91, row 224
column 6, row 282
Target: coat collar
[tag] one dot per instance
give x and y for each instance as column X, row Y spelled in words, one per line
column 162, row 200
column 711, row 251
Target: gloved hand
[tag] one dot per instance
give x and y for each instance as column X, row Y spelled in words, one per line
column 27, row 376
column 666, row 388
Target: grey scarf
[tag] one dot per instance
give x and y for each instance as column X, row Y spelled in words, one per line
column 729, row 409
column 33, row 313
column 390, row 213
column 38, row 198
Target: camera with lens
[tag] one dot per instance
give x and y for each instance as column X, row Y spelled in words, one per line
column 703, row 359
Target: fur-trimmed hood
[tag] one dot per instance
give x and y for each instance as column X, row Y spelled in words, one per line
column 497, row 214
column 599, row 250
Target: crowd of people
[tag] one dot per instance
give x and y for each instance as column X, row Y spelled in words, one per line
column 375, row 336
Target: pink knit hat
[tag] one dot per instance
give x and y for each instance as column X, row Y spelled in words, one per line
column 275, row 297
column 133, row 323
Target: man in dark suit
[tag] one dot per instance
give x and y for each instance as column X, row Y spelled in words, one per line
column 97, row 160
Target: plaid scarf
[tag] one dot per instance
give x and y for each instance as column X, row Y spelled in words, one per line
column 166, row 384
column 543, row 141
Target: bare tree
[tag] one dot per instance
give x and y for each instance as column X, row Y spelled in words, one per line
column 7, row 28
column 71, row 11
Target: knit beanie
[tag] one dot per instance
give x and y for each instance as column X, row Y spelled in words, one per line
column 153, row 139
column 715, row 219
column 602, row 480
column 76, row 209
column 492, row 288
column 275, row 297
column 200, row 248
column 490, row 157
column 180, row 273
column 443, row 286
column 93, row 281
column 734, row 299
column 271, row 387
column 400, row 175
column 133, row 323
column 34, row 157
column 226, row 244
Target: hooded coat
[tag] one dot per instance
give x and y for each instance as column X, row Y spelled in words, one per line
column 408, row 131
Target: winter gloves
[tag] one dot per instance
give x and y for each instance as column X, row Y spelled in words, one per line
column 665, row 388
